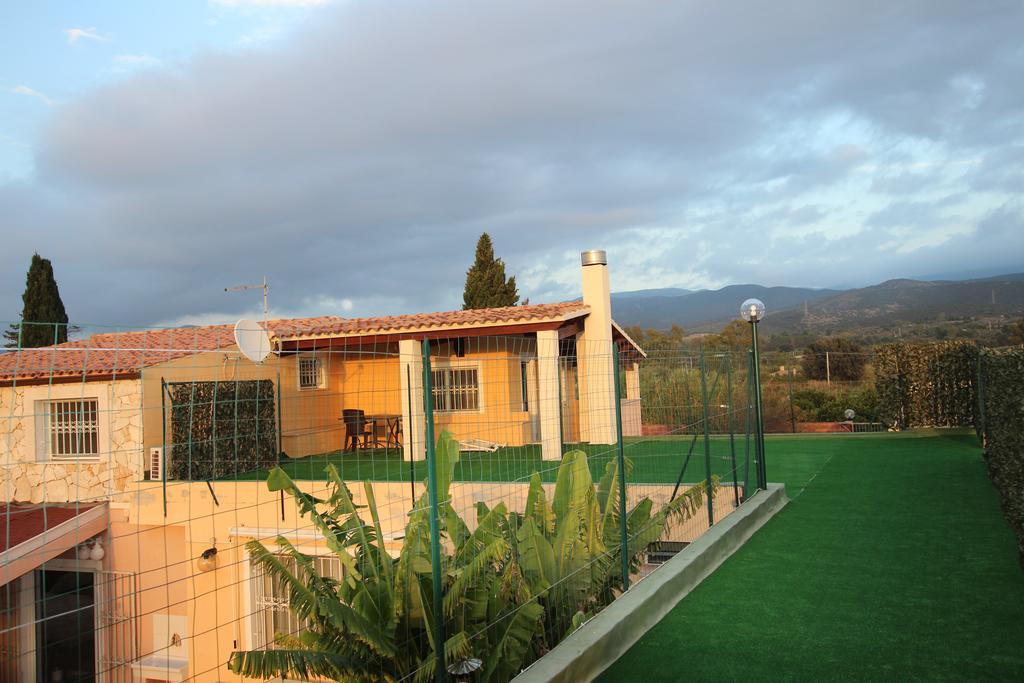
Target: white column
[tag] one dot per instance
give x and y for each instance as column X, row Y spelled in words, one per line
column 632, row 381
column 410, row 355
column 549, row 408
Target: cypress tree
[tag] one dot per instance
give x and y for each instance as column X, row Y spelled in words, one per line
column 486, row 286
column 41, row 304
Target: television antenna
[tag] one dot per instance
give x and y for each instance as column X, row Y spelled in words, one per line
column 265, row 287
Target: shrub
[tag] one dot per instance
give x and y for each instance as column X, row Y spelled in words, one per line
column 221, row 428
column 845, row 360
column 921, row 385
column 1002, row 421
column 817, row 405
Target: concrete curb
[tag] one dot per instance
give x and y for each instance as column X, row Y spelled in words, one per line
column 586, row 653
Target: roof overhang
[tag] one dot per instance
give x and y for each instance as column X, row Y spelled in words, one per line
column 445, row 332
column 635, row 348
column 36, row 534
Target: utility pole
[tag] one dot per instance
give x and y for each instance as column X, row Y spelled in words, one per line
column 828, row 371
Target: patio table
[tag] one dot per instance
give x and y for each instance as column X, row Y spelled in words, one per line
column 388, row 426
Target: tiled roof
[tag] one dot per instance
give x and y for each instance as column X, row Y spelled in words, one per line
column 113, row 353
column 28, row 521
column 125, row 353
column 329, row 326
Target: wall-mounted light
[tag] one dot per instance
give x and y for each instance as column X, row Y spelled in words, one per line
column 464, row 669
column 208, row 558
column 91, row 550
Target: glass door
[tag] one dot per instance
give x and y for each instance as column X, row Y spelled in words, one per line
column 65, row 630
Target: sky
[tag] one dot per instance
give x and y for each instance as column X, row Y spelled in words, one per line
column 352, row 152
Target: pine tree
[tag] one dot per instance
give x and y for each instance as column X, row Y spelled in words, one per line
column 486, row 286
column 41, row 304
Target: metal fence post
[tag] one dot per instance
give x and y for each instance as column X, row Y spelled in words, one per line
column 732, row 434
column 163, row 453
column 623, row 528
column 707, row 439
column 441, row 673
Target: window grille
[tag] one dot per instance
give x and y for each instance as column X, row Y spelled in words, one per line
column 310, row 373
column 116, row 627
column 73, row 428
column 456, row 389
column 272, row 617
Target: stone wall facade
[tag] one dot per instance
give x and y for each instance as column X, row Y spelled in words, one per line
column 30, row 476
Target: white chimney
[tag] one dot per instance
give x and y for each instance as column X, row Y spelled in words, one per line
column 595, row 355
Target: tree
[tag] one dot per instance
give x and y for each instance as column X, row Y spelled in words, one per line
column 486, row 286
column 835, row 357
column 1016, row 333
column 43, row 318
column 735, row 334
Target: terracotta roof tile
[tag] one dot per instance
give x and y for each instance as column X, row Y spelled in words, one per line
column 125, row 353
column 113, row 353
column 334, row 326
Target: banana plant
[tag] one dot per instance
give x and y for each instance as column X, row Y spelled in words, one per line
column 570, row 547
column 513, row 587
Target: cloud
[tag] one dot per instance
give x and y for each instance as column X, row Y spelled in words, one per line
column 137, row 60
column 359, row 158
column 76, row 34
column 31, row 92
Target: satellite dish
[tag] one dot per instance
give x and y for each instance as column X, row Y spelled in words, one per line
column 253, row 341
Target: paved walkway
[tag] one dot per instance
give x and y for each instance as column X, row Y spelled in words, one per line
column 892, row 562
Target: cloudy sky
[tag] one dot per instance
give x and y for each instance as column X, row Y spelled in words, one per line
column 353, row 151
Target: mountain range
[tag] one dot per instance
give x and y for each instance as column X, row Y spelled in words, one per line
column 888, row 304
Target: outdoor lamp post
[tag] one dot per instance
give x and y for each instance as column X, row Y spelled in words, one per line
column 752, row 310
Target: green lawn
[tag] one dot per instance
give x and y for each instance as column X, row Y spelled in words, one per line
column 891, row 562
column 654, row 460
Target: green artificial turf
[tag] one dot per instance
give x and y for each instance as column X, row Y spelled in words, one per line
column 653, row 460
column 892, row 562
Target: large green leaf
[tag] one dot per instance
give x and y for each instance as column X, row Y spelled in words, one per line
column 536, row 557
column 509, row 642
column 537, row 505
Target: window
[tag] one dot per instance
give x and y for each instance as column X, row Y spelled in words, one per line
column 311, row 373
column 456, row 389
column 70, row 428
column 271, row 615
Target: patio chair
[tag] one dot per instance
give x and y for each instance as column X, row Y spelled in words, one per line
column 358, row 431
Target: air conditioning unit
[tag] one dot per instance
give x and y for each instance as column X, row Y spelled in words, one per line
column 155, row 466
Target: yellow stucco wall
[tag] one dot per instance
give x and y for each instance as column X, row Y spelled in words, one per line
column 500, row 417
column 365, row 380
column 218, row 605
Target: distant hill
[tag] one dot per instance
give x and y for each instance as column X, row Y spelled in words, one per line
column 664, row 291
column 907, row 302
column 691, row 309
column 792, row 309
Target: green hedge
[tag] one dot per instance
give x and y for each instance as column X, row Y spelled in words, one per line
column 927, row 385
column 1002, row 399
column 219, row 429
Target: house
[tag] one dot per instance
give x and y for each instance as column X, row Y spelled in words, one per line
column 81, row 424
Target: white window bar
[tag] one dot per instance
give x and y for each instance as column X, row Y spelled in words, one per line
column 73, row 428
column 310, row 373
